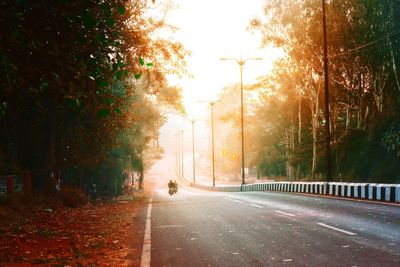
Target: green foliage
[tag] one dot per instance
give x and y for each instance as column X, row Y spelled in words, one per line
column 364, row 58
column 103, row 113
column 73, row 81
column 364, row 155
column 391, row 138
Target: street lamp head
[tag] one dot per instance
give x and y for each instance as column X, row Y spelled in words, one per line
column 211, row 102
column 241, row 61
column 253, row 58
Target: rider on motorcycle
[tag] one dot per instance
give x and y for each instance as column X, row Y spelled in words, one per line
column 173, row 185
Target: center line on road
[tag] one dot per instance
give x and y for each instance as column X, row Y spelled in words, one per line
column 337, row 229
column 285, row 213
column 257, row 206
column 238, row 201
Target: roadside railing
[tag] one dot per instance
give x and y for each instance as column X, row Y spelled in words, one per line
column 14, row 183
column 370, row 191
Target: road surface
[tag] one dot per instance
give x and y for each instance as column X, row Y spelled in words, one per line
column 200, row 228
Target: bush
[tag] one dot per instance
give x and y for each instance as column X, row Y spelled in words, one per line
column 73, row 197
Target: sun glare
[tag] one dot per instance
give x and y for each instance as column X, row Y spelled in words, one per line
column 211, row 30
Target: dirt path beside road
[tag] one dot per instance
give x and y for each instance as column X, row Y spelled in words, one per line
column 98, row 234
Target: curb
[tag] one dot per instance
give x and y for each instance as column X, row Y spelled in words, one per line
column 377, row 193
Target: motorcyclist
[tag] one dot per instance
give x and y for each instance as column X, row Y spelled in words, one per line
column 173, row 185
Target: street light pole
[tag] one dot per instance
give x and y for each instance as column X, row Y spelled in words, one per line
column 241, row 118
column 178, row 155
column 212, row 141
column 241, row 63
column 194, row 164
column 183, row 174
column 212, row 103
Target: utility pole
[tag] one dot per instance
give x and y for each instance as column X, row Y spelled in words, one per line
column 212, row 103
column 241, row 63
column 194, row 163
column 178, row 154
column 212, row 141
column 327, row 113
column 183, row 173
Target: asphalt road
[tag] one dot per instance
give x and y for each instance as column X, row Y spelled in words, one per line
column 200, row 228
column 195, row 228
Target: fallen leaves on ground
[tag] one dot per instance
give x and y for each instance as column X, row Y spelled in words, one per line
column 99, row 234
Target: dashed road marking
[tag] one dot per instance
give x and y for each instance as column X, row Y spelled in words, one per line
column 285, row 213
column 336, row 229
column 238, row 201
column 257, row 206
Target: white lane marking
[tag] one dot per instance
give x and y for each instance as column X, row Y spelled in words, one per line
column 257, row 206
column 146, row 251
column 337, row 229
column 285, row 213
column 238, row 201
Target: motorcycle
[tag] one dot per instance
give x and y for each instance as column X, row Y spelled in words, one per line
column 173, row 188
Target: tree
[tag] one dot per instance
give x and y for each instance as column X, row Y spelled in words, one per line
column 69, row 81
column 364, row 53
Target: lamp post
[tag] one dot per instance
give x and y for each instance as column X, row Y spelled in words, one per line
column 194, row 164
column 178, row 155
column 212, row 103
column 241, row 63
column 183, row 174
column 212, row 140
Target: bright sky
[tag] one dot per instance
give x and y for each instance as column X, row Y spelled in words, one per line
column 212, row 29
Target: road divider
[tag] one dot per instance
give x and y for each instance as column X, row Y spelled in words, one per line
column 370, row 191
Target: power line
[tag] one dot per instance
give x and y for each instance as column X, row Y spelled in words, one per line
column 361, row 48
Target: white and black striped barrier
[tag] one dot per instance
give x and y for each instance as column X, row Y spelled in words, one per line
column 371, row 191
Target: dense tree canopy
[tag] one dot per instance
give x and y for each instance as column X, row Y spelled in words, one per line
column 364, row 55
column 83, row 85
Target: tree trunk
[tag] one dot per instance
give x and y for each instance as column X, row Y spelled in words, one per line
column 141, row 171
column 314, row 148
column 360, row 101
column 391, row 50
column 51, row 157
column 141, row 178
column 299, row 134
column 287, row 153
column 291, row 145
column 379, row 84
column 299, row 117
column 347, row 112
column 314, row 124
